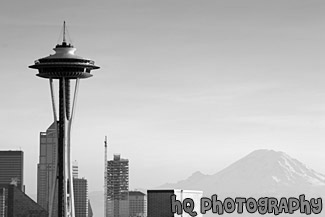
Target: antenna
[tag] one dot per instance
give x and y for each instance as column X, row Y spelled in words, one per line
column 64, row 41
column 105, row 179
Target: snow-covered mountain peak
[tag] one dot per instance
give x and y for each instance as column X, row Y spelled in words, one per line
column 260, row 172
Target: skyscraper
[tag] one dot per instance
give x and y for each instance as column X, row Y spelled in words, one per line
column 80, row 188
column 12, row 168
column 117, row 202
column 46, row 166
column 65, row 67
column 137, row 204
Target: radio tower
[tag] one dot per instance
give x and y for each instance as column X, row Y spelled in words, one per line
column 105, row 179
column 63, row 66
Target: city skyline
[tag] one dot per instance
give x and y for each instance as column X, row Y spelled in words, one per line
column 179, row 82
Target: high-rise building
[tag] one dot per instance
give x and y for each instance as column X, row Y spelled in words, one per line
column 159, row 201
column 46, row 166
column 117, row 202
column 80, row 189
column 12, row 168
column 137, row 204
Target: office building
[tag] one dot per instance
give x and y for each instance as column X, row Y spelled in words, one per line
column 159, row 202
column 117, row 185
column 46, row 166
column 137, row 204
column 12, row 168
column 80, row 189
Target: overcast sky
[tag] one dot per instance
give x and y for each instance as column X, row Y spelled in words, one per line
column 184, row 85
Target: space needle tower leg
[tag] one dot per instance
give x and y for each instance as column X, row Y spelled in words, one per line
column 55, row 169
column 66, row 113
column 70, row 205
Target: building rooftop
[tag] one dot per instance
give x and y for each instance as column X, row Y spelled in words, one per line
column 136, row 193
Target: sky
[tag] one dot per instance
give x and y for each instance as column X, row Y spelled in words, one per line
column 184, row 85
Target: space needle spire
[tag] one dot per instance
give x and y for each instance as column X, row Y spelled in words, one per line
column 64, row 41
column 63, row 66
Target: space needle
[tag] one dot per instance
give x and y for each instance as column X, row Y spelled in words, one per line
column 65, row 67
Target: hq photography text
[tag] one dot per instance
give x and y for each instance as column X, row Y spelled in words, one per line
column 262, row 205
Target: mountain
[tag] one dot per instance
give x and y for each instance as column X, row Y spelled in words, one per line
column 262, row 172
